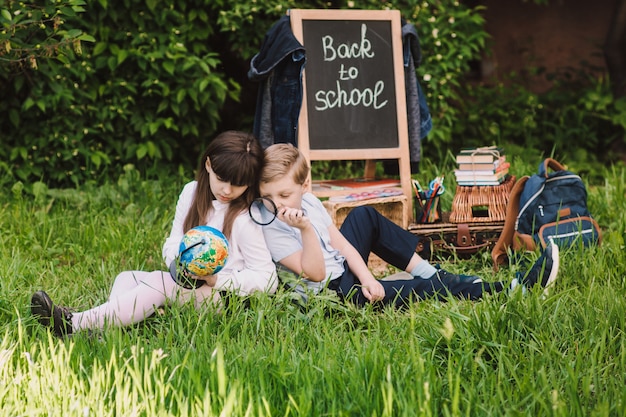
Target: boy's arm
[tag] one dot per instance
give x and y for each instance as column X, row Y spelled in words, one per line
column 308, row 262
column 372, row 289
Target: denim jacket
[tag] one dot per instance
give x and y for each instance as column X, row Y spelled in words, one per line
column 278, row 67
column 418, row 115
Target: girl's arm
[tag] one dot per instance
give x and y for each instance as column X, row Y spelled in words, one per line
column 249, row 267
column 372, row 289
column 172, row 243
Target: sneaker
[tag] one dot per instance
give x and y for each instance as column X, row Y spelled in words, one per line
column 446, row 276
column 49, row 315
column 545, row 270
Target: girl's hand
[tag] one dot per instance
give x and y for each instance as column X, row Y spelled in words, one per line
column 209, row 279
column 294, row 217
column 373, row 290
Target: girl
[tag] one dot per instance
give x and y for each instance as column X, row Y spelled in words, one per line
column 219, row 197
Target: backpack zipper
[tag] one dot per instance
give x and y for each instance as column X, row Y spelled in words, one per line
column 534, row 196
column 530, row 200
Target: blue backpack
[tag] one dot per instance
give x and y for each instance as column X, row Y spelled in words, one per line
column 546, row 207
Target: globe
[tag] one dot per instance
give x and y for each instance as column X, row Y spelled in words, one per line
column 203, row 251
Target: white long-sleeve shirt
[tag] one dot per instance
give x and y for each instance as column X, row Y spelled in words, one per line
column 249, row 266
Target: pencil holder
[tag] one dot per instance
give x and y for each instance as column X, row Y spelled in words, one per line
column 427, row 210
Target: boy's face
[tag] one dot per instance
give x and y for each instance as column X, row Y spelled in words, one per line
column 285, row 192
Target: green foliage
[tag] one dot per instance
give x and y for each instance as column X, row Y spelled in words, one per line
column 31, row 31
column 571, row 121
column 600, row 104
column 161, row 78
column 452, row 37
column 151, row 88
column 148, row 90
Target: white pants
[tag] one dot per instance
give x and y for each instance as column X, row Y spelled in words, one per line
column 136, row 295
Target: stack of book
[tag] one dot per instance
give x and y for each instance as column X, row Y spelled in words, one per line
column 481, row 167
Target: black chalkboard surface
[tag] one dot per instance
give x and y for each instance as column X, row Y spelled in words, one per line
column 350, row 86
column 354, row 104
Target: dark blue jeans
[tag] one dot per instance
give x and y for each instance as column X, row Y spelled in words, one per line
column 370, row 232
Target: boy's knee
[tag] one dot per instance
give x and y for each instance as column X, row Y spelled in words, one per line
column 362, row 211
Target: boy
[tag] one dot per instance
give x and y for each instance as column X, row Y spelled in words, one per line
column 304, row 240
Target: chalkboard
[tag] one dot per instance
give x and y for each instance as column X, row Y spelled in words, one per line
column 353, row 82
column 350, row 84
column 354, row 104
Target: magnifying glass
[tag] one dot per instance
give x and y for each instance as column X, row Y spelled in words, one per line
column 178, row 274
column 263, row 211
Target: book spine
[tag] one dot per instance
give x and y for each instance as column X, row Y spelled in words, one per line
column 471, row 175
column 497, row 165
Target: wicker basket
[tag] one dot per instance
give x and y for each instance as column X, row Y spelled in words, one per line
column 395, row 208
column 482, row 204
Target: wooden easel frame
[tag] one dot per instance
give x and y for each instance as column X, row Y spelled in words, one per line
column 370, row 155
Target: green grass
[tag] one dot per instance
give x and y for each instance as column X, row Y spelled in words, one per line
column 563, row 355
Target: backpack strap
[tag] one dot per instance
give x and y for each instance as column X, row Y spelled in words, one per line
column 499, row 251
column 549, row 163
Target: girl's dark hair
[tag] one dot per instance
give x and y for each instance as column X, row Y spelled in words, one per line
column 235, row 157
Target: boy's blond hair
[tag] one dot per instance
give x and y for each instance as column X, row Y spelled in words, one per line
column 282, row 158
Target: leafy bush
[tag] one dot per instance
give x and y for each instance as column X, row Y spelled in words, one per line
column 574, row 119
column 152, row 88
column 33, row 31
column 148, row 90
column 161, row 78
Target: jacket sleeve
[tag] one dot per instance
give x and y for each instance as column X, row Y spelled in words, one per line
column 252, row 268
column 172, row 243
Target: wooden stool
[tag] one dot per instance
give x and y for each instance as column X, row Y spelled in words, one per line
column 395, row 208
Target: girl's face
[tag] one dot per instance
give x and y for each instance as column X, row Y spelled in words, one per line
column 223, row 191
column 284, row 192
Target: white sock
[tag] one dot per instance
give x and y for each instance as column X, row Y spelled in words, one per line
column 423, row 270
column 515, row 283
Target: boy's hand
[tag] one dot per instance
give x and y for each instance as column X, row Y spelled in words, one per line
column 294, row 217
column 373, row 290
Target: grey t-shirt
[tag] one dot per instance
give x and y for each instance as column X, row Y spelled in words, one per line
column 284, row 240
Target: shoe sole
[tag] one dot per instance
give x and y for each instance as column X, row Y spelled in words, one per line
column 41, row 308
column 555, row 269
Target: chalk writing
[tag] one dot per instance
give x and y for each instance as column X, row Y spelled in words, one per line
column 351, row 93
column 340, row 97
column 345, row 96
column 361, row 49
